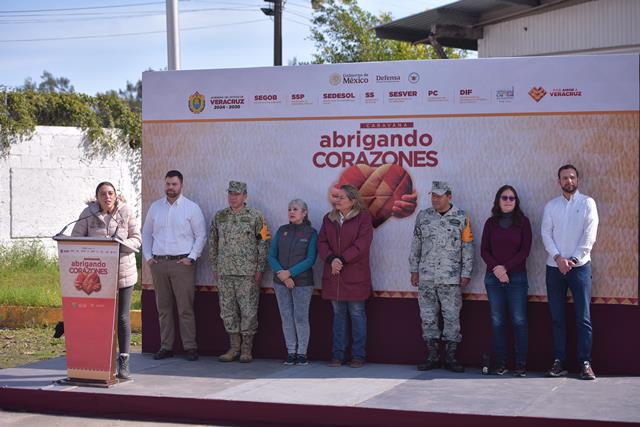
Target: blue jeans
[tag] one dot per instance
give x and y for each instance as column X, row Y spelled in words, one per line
column 578, row 279
column 511, row 297
column 294, row 313
column 358, row 329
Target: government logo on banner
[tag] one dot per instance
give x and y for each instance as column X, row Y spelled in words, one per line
column 196, row 103
column 537, row 93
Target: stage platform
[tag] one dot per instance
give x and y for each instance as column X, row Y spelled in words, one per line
column 266, row 392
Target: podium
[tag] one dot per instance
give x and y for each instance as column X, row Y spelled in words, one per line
column 89, row 284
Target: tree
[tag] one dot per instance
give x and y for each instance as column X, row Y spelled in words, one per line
column 108, row 119
column 49, row 84
column 344, row 32
column 132, row 94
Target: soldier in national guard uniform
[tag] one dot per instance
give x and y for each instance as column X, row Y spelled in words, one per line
column 440, row 261
column 238, row 251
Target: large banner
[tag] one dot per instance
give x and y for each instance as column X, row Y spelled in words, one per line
column 391, row 128
column 89, row 280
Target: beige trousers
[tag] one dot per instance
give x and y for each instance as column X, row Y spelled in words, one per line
column 172, row 280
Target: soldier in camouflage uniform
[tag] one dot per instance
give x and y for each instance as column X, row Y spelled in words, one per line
column 238, row 250
column 440, row 261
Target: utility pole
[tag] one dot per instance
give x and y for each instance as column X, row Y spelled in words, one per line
column 276, row 12
column 173, row 36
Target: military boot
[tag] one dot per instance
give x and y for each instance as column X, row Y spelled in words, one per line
column 245, row 349
column 450, row 361
column 433, row 356
column 234, row 349
column 123, row 366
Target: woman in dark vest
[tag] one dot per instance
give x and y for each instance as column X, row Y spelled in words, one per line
column 291, row 256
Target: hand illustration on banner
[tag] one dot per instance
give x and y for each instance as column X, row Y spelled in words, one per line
column 387, row 190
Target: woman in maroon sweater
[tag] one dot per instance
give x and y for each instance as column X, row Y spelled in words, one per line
column 506, row 242
column 343, row 244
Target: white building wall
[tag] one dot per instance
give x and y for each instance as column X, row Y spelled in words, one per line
column 599, row 26
column 47, row 180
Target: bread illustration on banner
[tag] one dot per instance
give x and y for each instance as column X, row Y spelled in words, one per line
column 386, row 190
column 88, row 283
column 80, row 280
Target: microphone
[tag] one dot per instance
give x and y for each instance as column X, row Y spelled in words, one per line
column 72, row 222
column 115, row 233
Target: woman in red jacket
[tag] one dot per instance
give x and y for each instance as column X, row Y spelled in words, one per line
column 343, row 244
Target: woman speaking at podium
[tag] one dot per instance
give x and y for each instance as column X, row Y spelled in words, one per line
column 108, row 216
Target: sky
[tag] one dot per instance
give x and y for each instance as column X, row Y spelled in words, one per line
column 101, row 44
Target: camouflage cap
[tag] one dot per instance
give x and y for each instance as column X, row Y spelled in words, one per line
column 440, row 187
column 237, row 187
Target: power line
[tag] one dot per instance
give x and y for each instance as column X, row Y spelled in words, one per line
column 99, row 36
column 297, row 22
column 37, row 11
column 132, row 13
column 299, row 15
column 291, row 3
column 83, row 8
column 83, row 19
column 257, row 3
column 97, row 18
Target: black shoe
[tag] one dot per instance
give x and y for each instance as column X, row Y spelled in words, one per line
column 301, row 359
column 428, row 365
column 453, row 366
column 520, row 371
column 450, row 362
column 163, row 354
column 291, row 359
column 557, row 370
column 59, row 330
column 586, row 371
column 192, row 355
column 501, row 369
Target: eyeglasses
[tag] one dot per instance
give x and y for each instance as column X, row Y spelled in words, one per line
column 508, row 198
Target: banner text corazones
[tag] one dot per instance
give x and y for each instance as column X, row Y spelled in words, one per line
column 373, row 149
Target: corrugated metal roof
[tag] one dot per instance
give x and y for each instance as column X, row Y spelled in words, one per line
column 465, row 14
column 567, row 31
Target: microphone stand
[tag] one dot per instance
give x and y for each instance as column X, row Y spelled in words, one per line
column 72, row 222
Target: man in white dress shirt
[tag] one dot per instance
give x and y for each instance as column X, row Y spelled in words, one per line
column 173, row 236
column 569, row 227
